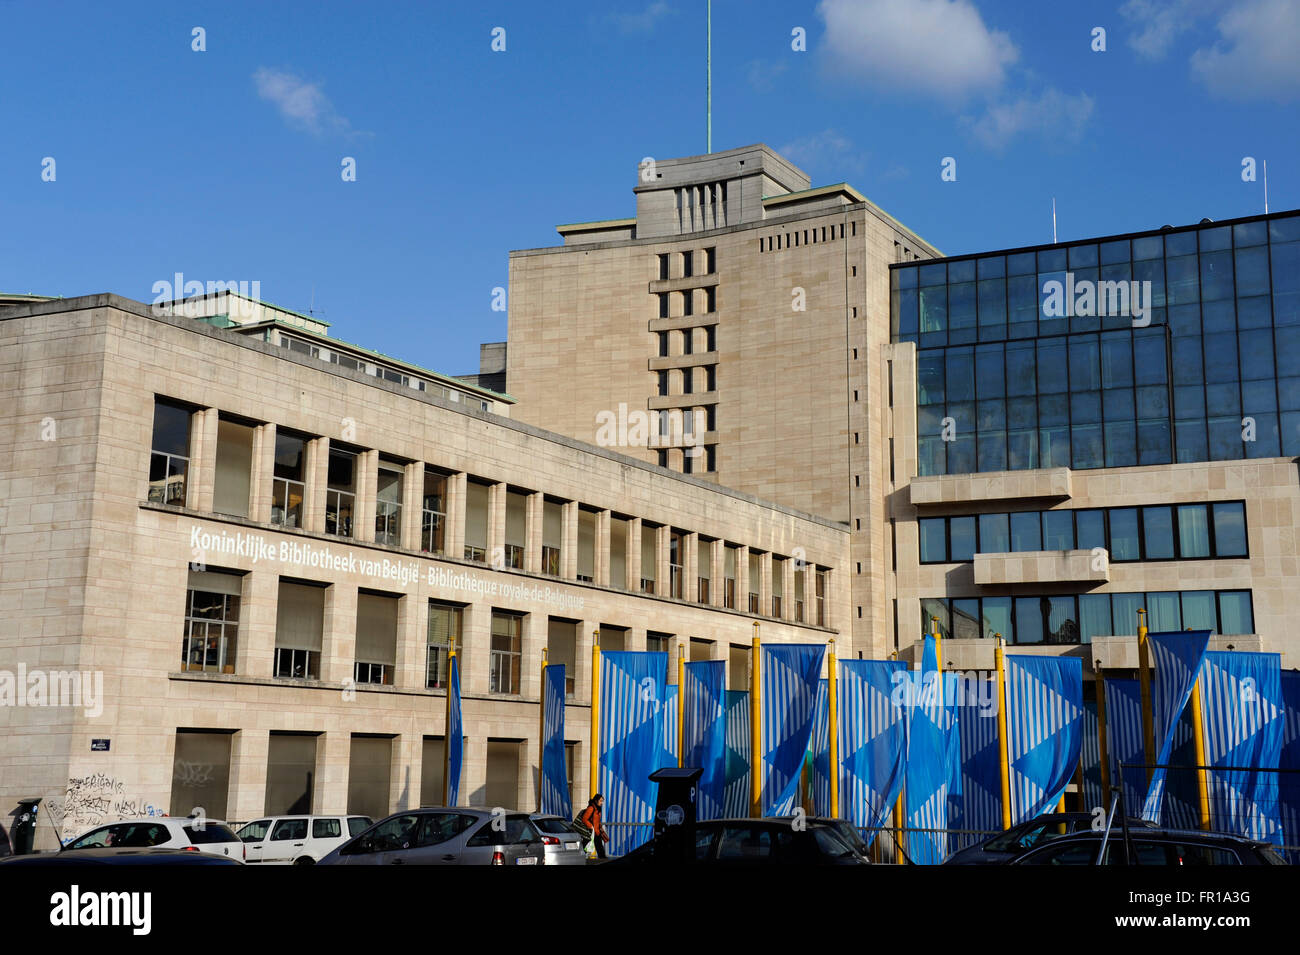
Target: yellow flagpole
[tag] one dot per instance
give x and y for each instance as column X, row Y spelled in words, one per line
column 1144, row 682
column 898, row 803
column 833, row 717
column 681, row 706
column 541, row 732
column 755, row 734
column 938, row 647
column 446, row 731
column 595, row 711
column 1004, row 771
column 1198, row 736
column 1101, row 732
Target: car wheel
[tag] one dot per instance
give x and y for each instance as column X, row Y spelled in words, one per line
column 304, row 860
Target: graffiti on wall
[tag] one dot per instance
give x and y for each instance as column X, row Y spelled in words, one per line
column 92, row 800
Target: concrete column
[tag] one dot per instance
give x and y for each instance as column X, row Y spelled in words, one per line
column 765, row 588
column 412, row 504
column 582, row 664
column 742, row 578
column 473, row 789
column 260, row 490
column 496, row 542
column 412, row 640
column 531, row 640
column 255, row 655
column 690, row 567
column 569, row 542
column 203, row 460
column 339, row 641
column 248, row 753
column 533, row 526
column 634, row 555
column 662, row 559
column 476, row 639
column 408, row 764
column 787, row 586
column 333, row 763
column 602, row 549
column 367, row 485
column 455, row 538
column 316, row 458
column 718, row 589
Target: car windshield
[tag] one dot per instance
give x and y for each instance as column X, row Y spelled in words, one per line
column 255, row 831
column 209, row 832
column 139, row 835
column 555, row 826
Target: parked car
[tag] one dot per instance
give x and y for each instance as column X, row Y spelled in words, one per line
column 750, row 842
column 105, row 855
column 163, row 832
column 844, row 828
column 1153, row 847
column 1005, row 846
column 298, row 840
column 561, row 839
column 462, row 835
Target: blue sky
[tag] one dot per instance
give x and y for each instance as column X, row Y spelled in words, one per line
column 225, row 164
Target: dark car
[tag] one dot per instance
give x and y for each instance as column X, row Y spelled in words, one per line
column 755, row 842
column 844, row 828
column 1005, row 846
column 111, row 856
column 5, row 848
column 1153, row 847
column 462, row 835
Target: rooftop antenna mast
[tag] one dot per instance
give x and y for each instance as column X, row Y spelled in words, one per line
column 1265, row 187
column 708, row 78
column 1053, row 220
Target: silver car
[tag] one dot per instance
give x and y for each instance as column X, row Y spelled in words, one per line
column 455, row 836
column 561, row 839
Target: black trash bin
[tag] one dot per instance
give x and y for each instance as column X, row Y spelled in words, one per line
column 22, row 831
column 675, row 813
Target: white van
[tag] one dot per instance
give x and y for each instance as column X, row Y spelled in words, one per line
column 298, row 840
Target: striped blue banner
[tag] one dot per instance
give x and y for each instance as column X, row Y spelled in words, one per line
column 1091, row 757
column 631, row 719
column 933, row 770
column 820, row 748
column 704, row 730
column 1044, row 730
column 1124, row 740
column 455, row 738
column 554, row 796
column 1244, row 716
column 1176, row 659
column 979, row 805
column 1289, row 783
column 669, row 755
column 790, row 675
column 873, row 733
column 736, row 794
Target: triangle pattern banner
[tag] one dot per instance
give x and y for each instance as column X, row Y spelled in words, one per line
column 554, row 797
column 1289, row 783
column 736, row 794
column 979, row 805
column 933, row 765
column 873, row 731
column 704, row 732
column 820, row 748
column 1044, row 730
column 1176, row 658
column 1244, row 717
column 1124, row 740
column 454, row 739
column 632, row 691
column 790, row 674
column 1091, row 757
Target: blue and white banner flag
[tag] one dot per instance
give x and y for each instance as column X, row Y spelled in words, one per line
column 1244, row 715
column 455, row 738
column 1091, row 758
column 873, row 734
column 631, row 719
column 978, row 807
column 736, row 795
column 790, row 674
column 669, row 755
column 820, row 748
column 1124, row 746
column 1044, row 730
column 1176, row 658
column 704, row 732
column 1289, row 782
column 554, row 797
column 933, row 770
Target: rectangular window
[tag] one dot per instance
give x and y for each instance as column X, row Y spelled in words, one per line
column 376, row 645
column 688, row 302
column 445, row 621
column 820, row 598
column 961, row 538
column 211, row 621
column 1235, row 616
column 1124, row 534
column 506, row 654
column 710, row 261
column 1026, row 532
column 169, row 462
column 1058, row 530
column 1090, row 526
column 288, row 484
column 1193, row 531
column 433, row 516
column 711, row 299
column 561, row 649
column 476, row 521
column 663, row 266
column 388, row 505
column 688, row 264
column 290, row 769
column 341, row 492
column 299, row 624
column 1158, row 533
column 995, row 534
column 996, row 617
column 1229, row 529
column 234, row 468
column 209, row 788
column 934, row 540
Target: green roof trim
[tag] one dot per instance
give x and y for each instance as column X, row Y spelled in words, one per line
column 595, row 226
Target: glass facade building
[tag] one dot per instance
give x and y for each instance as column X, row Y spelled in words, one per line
column 1178, row 345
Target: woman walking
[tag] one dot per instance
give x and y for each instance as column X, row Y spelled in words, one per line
column 590, row 817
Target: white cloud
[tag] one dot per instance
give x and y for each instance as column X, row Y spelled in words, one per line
column 1159, row 23
column 1255, row 56
column 940, row 47
column 1051, row 114
column 643, row 22
column 302, row 104
column 763, row 74
column 828, row 150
